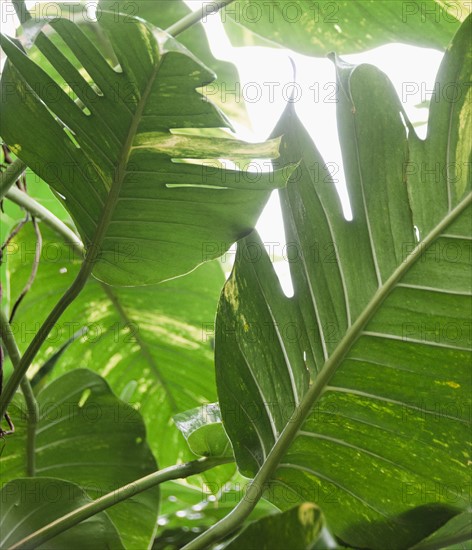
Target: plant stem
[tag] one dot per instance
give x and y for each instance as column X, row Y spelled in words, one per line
column 20, row 8
column 39, row 211
column 11, row 174
column 68, row 297
column 60, row 525
column 31, row 403
column 196, row 16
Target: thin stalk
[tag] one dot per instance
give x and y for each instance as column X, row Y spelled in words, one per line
column 196, row 16
column 11, row 174
column 66, row 299
column 60, row 525
column 30, row 399
column 34, row 270
column 39, row 211
column 21, row 11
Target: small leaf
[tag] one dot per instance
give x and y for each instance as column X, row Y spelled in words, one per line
column 299, row 528
column 203, row 429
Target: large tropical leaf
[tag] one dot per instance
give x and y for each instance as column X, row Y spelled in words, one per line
column 365, row 374
column 344, row 26
column 153, row 344
column 23, row 499
column 86, row 435
column 116, row 156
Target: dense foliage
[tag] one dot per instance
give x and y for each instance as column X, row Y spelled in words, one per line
column 149, row 402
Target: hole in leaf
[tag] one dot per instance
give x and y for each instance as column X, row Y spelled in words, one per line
column 71, row 136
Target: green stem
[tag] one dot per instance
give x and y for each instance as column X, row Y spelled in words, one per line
column 127, row 491
column 11, row 174
column 39, row 211
column 68, row 297
column 20, row 8
column 31, row 403
column 256, row 488
column 196, row 16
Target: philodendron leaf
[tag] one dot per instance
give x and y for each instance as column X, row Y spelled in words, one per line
column 129, row 179
column 87, row 436
column 29, row 504
column 456, row 534
column 344, row 26
column 203, row 429
column 299, row 528
column 359, row 386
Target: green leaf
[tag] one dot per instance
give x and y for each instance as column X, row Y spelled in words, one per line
column 298, row 529
column 318, row 28
column 162, row 14
column 88, row 436
column 455, row 534
column 24, row 512
column 359, row 386
column 157, row 338
column 120, row 162
column 203, row 429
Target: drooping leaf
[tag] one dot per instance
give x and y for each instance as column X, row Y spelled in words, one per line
column 31, row 503
column 368, row 365
column 156, row 338
column 87, row 436
column 203, row 429
column 117, row 157
column 344, row 26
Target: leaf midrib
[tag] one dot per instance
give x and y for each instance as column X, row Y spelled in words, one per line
column 142, row 345
column 113, row 196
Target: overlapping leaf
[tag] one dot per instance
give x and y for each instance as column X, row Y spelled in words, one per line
column 153, row 343
column 116, row 156
column 456, row 534
column 343, row 26
column 87, row 436
column 371, row 358
column 24, row 499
